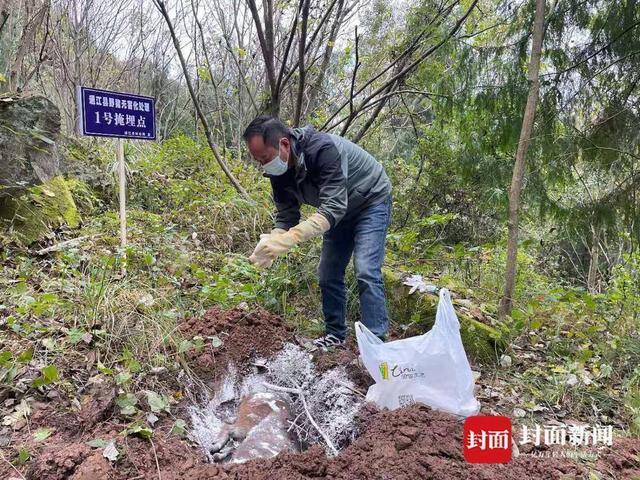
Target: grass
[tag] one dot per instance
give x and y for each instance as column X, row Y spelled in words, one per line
column 189, row 237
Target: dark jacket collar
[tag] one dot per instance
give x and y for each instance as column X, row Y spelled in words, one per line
column 300, row 137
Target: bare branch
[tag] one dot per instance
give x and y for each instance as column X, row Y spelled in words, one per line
column 301, row 77
column 205, row 124
column 292, row 33
column 409, row 68
column 266, row 46
column 404, row 54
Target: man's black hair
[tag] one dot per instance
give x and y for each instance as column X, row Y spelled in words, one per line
column 271, row 129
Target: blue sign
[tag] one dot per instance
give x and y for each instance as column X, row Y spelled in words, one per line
column 114, row 114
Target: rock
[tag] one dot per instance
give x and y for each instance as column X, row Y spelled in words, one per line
column 519, row 413
column 411, row 432
column 505, row 361
column 34, row 198
column 95, row 467
column 483, row 343
column 29, row 128
column 98, row 402
column 33, row 214
column 402, row 442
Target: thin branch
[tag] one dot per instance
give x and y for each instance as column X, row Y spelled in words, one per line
column 301, row 46
column 292, row 33
column 404, row 54
column 422, row 57
column 311, row 40
column 381, row 99
column 12, row 466
column 326, row 57
column 326, row 438
column 355, row 73
column 589, row 57
column 155, row 456
column 295, row 391
column 300, row 394
column 203, row 119
column 5, row 17
column 67, row 243
column 358, row 136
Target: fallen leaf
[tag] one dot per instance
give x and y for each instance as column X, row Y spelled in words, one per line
column 127, row 403
column 23, row 456
column 152, row 419
column 179, row 428
column 110, row 452
column 22, row 411
column 42, row 434
column 142, row 432
column 98, row 443
column 157, row 403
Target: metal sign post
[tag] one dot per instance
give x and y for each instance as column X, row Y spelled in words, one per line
column 103, row 113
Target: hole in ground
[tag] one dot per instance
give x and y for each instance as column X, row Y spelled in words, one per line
column 283, row 404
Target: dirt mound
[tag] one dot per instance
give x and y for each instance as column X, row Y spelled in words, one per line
column 416, row 442
column 68, row 455
column 347, row 357
column 245, row 334
column 622, row 459
column 59, row 463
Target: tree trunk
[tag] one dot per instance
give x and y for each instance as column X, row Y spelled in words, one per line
column 506, row 302
column 265, row 37
column 196, row 103
column 16, row 81
column 316, row 88
column 594, row 254
column 301, row 47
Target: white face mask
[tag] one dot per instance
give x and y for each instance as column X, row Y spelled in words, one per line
column 275, row 167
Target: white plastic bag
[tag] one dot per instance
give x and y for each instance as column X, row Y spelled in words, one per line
column 432, row 368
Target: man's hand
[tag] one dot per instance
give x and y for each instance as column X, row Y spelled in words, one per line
column 259, row 256
column 269, row 247
column 274, row 244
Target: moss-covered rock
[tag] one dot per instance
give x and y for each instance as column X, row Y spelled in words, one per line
column 483, row 343
column 29, row 130
column 32, row 215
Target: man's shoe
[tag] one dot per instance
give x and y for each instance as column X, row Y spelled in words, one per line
column 327, row 342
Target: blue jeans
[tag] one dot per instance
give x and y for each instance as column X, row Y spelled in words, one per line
column 364, row 237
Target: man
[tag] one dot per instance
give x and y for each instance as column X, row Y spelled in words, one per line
column 353, row 196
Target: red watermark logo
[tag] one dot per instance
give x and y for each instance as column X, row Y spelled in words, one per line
column 487, row 439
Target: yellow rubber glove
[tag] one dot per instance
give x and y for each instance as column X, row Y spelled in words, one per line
column 259, row 257
column 274, row 244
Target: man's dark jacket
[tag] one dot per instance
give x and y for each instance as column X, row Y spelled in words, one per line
column 330, row 173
